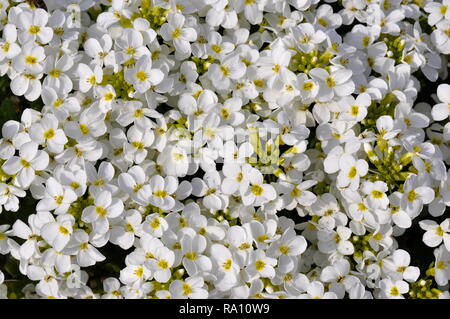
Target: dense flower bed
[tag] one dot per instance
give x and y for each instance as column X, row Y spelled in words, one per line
column 225, row 149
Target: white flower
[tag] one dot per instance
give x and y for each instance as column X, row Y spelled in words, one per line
column 26, row 164
column 336, row 83
column 58, row 233
column 161, row 264
column 273, row 65
column 174, row 161
column 47, row 132
column 260, row 265
column 100, row 50
column 441, row 111
column 155, row 225
column 123, row 234
column 30, row 233
column 376, row 194
column 61, row 105
column 435, row 233
column 257, row 192
column 298, row 194
column 193, row 245
column 9, row 48
column 33, row 26
column 306, row 38
column 209, row 189
column 437, row 11
column 415, row 195
column 142, row 76
column 252, row 9
column 225, row 266
column 86, row 254
column 351, row 171
column 339, row 277
column 139, row 139
column 88, row 77
column 442, row 269
column 399, row 267
column 57, row 197
column 57, row 70
column 112, row 289
column 331, row 241
column 161, row 190
column 181, row 36
column 316, row 290
column 223, row 74
column 393, row 289
column 105, row 207
column 191, row 287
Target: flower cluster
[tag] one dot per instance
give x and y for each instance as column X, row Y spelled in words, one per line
column 226, row 148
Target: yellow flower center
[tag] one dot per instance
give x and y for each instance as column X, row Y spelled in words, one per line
column 176, row 33
column 352, row 172
column 59, row 199
column 58, row 102
column 63, row 230
column 276, row 68
column 101, row 211
column 92, row 80
column 5, row 47
column 139, row 272
column 138, row 145
column 187, row 290
column 257, row 190
column 244, row 246
column 129, row 228
column 130, row 50
column 84, row 129
column 191, row 255
column 155, row 223
column 31, row 60
column 260, row 265
column 377, row 194
column 139, row 113
column 216, row 48
column 439, row 231
column 330, row 82
column 178, row 156
column 141, row 76
column 412, row 196
column 25, row 163
column 284, row 249
column 227, row 264
column 394, row 291
column 323, row 22
column 55, row 73
column 262, row 238
column 34, row 29
column 108, row 96
column 308, row 86
column 160, row 193
column 49, row 134
column 163, row 264
column 296, row 192
column 225, row 70
column 366, row 41
column 378, row 236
